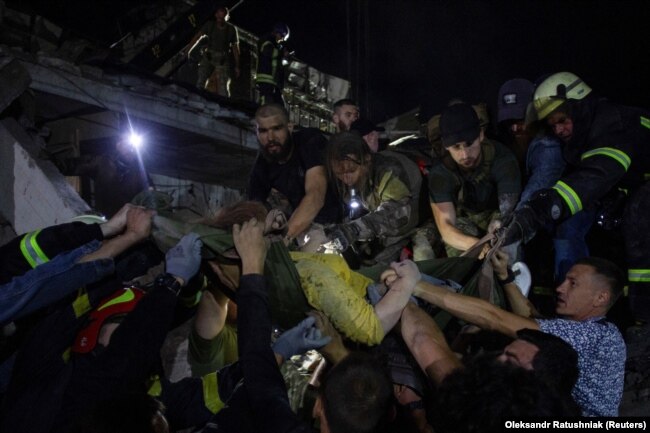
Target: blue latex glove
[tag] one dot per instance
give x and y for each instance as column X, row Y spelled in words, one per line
column 299, row 339
column 184, row 259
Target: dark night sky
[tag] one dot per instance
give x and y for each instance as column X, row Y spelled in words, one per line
column 422, row 53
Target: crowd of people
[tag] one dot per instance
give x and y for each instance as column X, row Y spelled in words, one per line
column 321, row 258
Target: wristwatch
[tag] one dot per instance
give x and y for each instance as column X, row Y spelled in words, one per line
column 509, row 279
column 170, row 282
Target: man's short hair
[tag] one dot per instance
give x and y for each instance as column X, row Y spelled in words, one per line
column 342, row 102
column 357, row 394
column 272, row 109
column 483, row 395
column 609, row 271
column 556, row 361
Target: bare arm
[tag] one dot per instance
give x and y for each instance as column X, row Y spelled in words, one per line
column 445, row 216
column 138, row 227
column 474, row 310
column 117, row 223
column 311, row 203
column 518, row 302
column 389, row 308
column 211, row 315
column 427, row 343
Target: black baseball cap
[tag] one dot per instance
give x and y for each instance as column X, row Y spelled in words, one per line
column 365, row 127
column 459, row 123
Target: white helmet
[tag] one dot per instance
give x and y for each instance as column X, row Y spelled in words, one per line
column 554, row 91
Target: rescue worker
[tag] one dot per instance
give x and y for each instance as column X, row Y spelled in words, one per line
column 542, row 158
column 270, row 71
column 222, row 46
column 474, row 185
column 607, row 149
column 120, row 338
column 344, row 113
column 381, row 191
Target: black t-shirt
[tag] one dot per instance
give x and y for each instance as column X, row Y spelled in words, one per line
column 289, row 178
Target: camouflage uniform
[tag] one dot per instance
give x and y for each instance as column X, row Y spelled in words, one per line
column 391, row 200
column 215, row 61
column 475, row 194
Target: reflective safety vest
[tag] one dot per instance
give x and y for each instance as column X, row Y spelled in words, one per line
column 616, row 155
column 638, row 275
column 268, row 69
column 31, row 251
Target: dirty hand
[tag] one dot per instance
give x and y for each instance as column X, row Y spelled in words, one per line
column 494, row 225
column 116, row 224
column 407, row 274
column 138, row 222
column 251, row 246
column 275, row 221
column 499, row 262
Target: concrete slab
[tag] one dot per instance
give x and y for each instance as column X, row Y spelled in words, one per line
column 54, row 76
column 34, row 193
column 11, row 71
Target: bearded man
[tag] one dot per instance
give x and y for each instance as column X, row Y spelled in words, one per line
column 291, row 163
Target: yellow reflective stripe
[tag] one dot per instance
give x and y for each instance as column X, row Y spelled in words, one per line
column 190, row 301
column 26, row 254
column 156, row 387
column 211, row 397
column 638, row 275
column 81, row 305
column 127, row 296
column 32, row 251
column 37, row 248
column 645, row 122
column 571, row 198
column 265, row 78
column 66, row 355
column 618, row 155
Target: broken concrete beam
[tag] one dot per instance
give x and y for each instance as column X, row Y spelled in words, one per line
column 35, row 194
column 14, row 80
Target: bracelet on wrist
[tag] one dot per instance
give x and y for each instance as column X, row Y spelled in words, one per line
column 509, row 279
column 169, row 282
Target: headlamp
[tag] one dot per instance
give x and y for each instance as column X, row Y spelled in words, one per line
column 135, row 140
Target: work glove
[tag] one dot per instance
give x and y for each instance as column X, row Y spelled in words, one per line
column 299, row 339
column 184, row 259
column 544, row 207
column 343, row 235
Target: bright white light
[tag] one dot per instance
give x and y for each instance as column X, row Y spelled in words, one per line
column 354, row 204
column 135, row 140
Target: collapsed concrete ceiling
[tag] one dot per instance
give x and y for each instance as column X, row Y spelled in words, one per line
column 190, row 134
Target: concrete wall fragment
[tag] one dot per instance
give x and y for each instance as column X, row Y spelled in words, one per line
column 33, row 193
